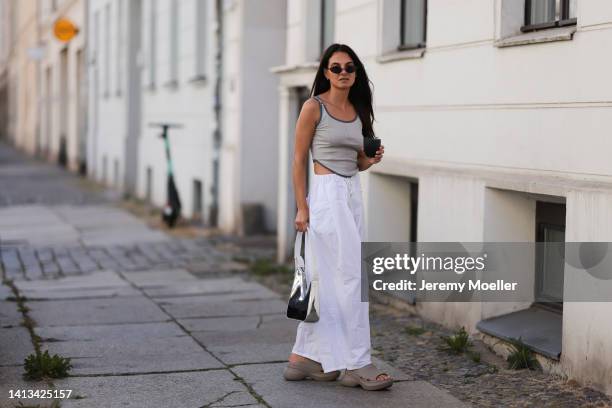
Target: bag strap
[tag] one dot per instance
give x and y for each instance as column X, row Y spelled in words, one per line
column 297, row 251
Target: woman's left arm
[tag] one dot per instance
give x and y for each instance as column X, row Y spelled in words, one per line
column 364, row 162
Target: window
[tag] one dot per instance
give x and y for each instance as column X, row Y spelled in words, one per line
column 541, row 14
column 152, row 42
column 119, row 47
column 96, row 38
column 173, row 48
column 200, row 42
column 413, row 17
column 328, row 15
column 107, row 56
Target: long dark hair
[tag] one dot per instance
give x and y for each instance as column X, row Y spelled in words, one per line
column 360, row 93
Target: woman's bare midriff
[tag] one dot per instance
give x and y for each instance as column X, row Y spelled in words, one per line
column 320, row 169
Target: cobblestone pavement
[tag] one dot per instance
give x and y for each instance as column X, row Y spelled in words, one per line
column 147, row 318
column 28, row 263
column 483, row 384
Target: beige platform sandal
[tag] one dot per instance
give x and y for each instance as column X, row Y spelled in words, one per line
column 300, row 370
column 366, row 377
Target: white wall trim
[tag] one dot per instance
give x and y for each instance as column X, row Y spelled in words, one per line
column 537, row 37
column 507, row 178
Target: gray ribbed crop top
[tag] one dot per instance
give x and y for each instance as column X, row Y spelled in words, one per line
column 336, row 143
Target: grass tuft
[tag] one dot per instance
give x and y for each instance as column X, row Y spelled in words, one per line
column 265, row 267
column 458, row 342
column 414, row 330
column 40, row 365
column 474, row 356
column 54, row 404
column 521, row 356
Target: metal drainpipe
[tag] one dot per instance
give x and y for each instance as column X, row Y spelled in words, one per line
column 217, row 135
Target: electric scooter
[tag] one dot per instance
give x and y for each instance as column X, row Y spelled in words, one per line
column 172, row 208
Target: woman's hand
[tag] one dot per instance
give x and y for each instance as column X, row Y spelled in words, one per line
column 301, row 219
column 364, row 162
column 379, row 154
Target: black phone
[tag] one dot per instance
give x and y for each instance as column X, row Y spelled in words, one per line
column 370, row 146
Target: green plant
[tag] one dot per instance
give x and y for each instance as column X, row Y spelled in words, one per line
column 54, row 404
column 264, row 267
column 414, row 330
column 521, row 356
column 241, row 259
column 475, row 357
column 458, row 342
column 38, row 365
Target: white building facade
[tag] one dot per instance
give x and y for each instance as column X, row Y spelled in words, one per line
column 200, row 65
column 153, row 62
column 494, row 116
column 253, row 41
column 114, row 95
column 63, row 87
column 178, row 87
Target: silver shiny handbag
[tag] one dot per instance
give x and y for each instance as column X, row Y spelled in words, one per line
column 304, row 298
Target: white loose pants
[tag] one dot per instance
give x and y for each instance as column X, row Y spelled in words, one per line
column 341, row 337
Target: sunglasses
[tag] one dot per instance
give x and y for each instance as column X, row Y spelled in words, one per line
column 337, row 69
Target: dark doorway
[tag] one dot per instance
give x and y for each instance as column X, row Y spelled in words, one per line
column 550, row 232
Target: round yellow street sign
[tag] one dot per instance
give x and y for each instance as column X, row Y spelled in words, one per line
column 64, row 30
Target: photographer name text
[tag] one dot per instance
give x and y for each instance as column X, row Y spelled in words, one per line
column 478, row 285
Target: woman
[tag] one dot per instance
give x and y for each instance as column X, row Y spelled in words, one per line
column 333, row 123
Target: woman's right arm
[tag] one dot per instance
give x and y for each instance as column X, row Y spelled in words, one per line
column 304, row 132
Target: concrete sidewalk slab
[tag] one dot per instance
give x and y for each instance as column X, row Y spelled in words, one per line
column 121, row 236
column 97, row 279
column 222, row 309
column 93, row 285
column 213, row 388
column 252, row 295
column 264, row 334
column 37, row 225
column 233, row 323
column 159, row 277
column 223, row 324
column 271, row 340
column 9, row 315
column 114, row 332
column 207, row 286
column 97, row 216
column 95, row 311
column 134, row 355
column 16, row 345
column 39, row 235
column 5, row 292
column 267, row 381
column 80, row 294
column 252, row 353
column 11, row 379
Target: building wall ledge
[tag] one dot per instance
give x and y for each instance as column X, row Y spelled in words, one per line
column 401, row 55
column 287, row 69
column 518, row 179
column 536, row 37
